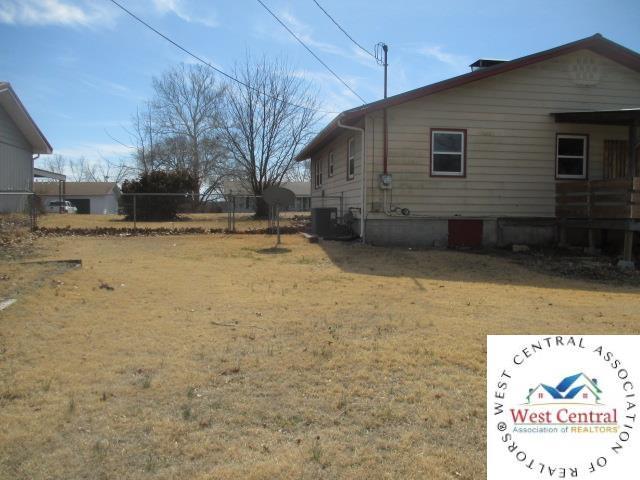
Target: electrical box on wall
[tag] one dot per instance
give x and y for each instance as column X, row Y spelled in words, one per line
column 385, row 181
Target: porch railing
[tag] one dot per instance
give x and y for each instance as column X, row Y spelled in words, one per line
column 599, row 199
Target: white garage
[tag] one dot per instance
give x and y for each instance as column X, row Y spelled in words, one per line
column 99, row 198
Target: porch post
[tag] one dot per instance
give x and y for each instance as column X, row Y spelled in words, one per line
column 592, row 250
column 627, row 252
column 633, row 143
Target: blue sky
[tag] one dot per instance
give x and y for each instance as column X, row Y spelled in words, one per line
column 82, row 67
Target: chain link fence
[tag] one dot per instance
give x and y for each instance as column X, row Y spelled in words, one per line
column 134, row 212
column 241, row 215
column 148, row 212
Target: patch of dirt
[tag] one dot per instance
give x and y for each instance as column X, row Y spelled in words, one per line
column 573, row 264
column 16, row 240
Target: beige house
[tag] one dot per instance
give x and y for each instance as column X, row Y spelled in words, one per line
column 476, row 159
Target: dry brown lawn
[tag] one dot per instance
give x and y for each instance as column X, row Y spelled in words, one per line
column 244, row 221
column 214, row 357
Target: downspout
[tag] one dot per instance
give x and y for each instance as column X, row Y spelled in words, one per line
column 386, row 142
column 363, row 193
column 33, row 164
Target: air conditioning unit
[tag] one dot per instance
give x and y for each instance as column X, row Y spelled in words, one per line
column 324, row 220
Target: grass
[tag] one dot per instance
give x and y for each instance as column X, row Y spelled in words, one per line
column 210, row 359
column 244, row 221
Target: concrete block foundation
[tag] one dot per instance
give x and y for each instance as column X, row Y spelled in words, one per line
column 434, row 232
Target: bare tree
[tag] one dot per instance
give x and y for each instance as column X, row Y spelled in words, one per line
column 55, row 163
column 181, row 129
column 145, row 138
column 263, row 127
column 300, row 172
column 109, row 171
column 81, row 170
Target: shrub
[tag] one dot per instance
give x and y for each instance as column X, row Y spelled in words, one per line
column 150, row 207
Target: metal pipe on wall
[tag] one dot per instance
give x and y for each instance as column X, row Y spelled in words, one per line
column 363, row 193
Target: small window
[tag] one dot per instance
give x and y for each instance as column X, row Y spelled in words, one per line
column 541, row 395
column 318, row 173
column 351, row 159
column 448, row 153
column 571, row 156
column 331, row 164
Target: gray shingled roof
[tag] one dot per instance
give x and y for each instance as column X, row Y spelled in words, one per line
column 299, row 188
column 76, row 188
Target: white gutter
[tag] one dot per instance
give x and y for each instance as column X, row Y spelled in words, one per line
column 363, row 193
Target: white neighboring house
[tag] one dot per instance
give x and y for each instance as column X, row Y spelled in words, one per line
column 88, row 197
column 20, row 140
column 245, row 200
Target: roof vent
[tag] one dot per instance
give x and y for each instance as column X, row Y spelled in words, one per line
column 484, row 63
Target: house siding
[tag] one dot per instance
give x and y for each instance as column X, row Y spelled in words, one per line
column 16, row 165
column 511, row 139
column 337, row 189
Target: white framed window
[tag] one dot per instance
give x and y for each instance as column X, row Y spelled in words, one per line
column 351, row 159
column 317, row 173
column 331, row 164
column 448, row 152
column 571, row 156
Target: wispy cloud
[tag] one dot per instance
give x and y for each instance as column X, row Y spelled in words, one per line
column 106, row 86
column 94, row 13
column 437, row 52
column 94, row 151
column 188, row 12
column 306, row 33
column 334, row 96
column 54, row 12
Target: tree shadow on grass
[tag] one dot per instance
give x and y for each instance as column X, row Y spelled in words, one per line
column 177, row 219
column 273, row 250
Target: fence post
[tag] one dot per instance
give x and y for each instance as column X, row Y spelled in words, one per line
column 233, row 216
column 135, row 213
column 277, row 209
column 32, row 208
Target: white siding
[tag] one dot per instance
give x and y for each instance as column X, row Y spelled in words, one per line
column 338, row 186
column 511, row 139
column 16, row 165
column 98, row 204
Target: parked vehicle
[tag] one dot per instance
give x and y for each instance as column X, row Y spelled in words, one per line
column 61, row 206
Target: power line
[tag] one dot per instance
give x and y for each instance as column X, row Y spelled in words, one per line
column 344, row 31
column 310, row 51
column 221, row 72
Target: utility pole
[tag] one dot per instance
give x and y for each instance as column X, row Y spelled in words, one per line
column 385, row 49
column 382, row 60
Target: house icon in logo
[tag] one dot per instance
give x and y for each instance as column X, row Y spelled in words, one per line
column 577, row 388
